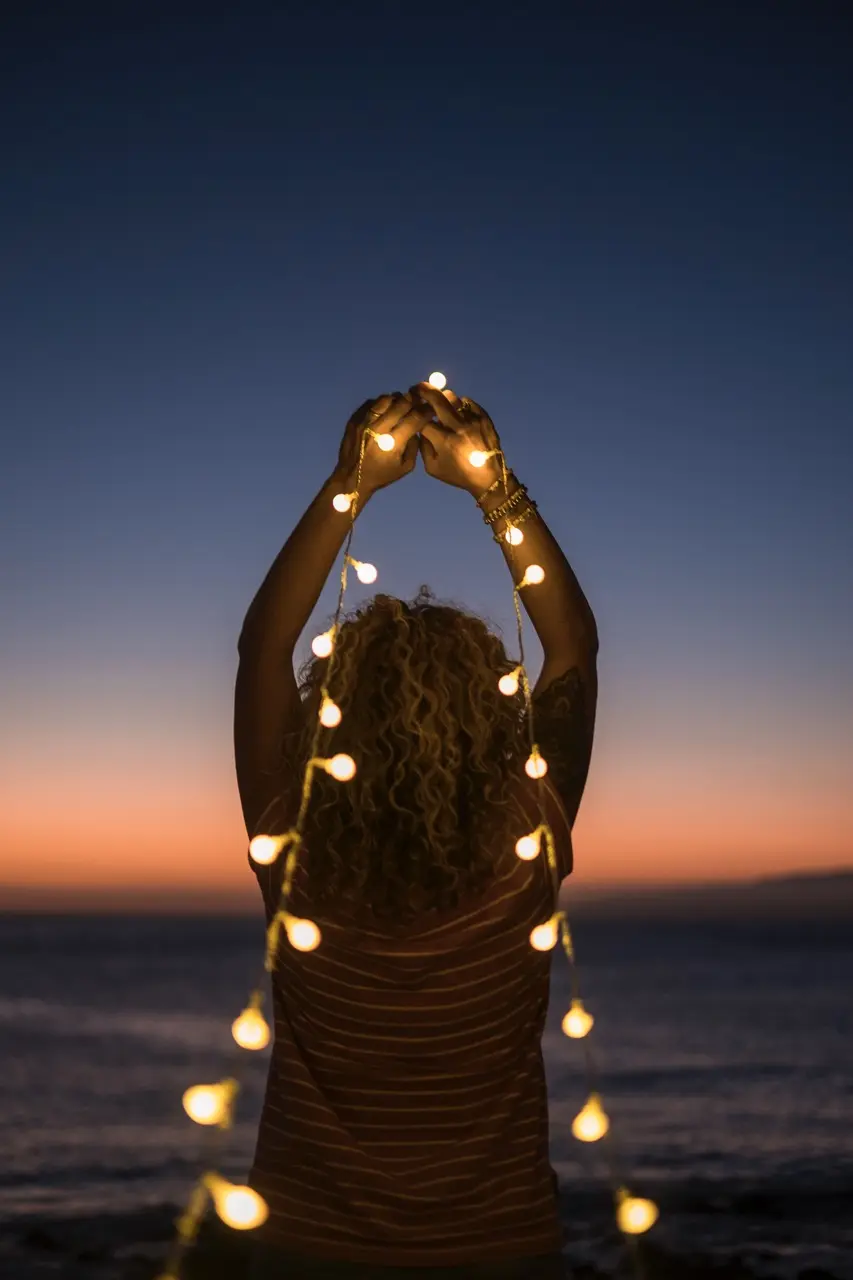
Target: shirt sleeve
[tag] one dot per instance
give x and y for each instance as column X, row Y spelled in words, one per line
column 563, row 727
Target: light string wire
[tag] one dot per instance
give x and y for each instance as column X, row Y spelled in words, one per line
column 559, row 919
column 240, row 1206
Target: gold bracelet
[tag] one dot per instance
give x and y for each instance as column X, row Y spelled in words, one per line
column 514, row 521
column 491, row 487
column 491, row 517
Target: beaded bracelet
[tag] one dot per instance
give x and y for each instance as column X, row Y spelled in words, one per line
column 514, row 521
column 490, row 489
column 491, row 517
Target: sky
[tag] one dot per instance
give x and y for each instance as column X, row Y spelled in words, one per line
column 623, row 229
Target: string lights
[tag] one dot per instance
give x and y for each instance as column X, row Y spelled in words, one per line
column 213, row 1105
column 322, row 646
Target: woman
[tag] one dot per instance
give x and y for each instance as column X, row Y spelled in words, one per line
column 405, row 1124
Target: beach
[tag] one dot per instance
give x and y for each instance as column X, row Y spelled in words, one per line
column 724, row 1051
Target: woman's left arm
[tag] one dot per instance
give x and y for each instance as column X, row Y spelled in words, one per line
column 267, row 706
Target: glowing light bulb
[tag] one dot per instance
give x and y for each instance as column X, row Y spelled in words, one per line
column 341, row 767
column 330, row 713
column 342, row 501
column 508, row 684
column 636, row 1215
column 303, row 935
column 385, row 442
column 365, row 572
column 591, row 1123
column 265, row 849
column 514, row 536
column 536, row 767
column 437, row 380
column 577, row 1021
column 322, row 646
column 544, row 936
column 209, row 1103
column 478, row 458
column 533, row 575
column 250, row 1030
column 527, row 847
column 238, row 1207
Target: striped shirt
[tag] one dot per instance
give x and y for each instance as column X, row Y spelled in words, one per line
column 405, row 1120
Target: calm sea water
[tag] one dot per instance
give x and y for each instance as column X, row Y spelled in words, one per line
column 725, row 1053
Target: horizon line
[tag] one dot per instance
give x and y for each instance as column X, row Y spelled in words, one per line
column 180, row 900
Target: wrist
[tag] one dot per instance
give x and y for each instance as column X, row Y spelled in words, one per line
column 490, row 501
column 344, row 482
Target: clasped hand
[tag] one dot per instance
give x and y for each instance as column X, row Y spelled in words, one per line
column 439, row 426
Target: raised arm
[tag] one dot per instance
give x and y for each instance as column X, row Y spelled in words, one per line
column 266, row 699
column 566, row 694
column 558, row 608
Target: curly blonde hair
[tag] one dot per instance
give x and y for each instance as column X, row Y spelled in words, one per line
column 424, row 820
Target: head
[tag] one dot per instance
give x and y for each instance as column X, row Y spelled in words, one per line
column 435, row 744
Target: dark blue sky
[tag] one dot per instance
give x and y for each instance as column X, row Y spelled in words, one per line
column 626, row 231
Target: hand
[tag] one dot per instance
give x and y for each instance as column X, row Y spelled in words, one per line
column 462, row 428
column 396, row 415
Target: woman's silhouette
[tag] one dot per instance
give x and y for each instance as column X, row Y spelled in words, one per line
column 405, row 1124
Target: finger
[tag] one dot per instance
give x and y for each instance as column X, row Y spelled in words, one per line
column 438, row 438
column 362, row 411
column 372, row 409
column 429, row 453
column 487, row 427
column 452, row 398
column 393, row 413
column 409, row 425
column 476, row 410
column 410, row 452
column 443, row 409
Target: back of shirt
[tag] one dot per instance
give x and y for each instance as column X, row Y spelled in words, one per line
column 406, row 1114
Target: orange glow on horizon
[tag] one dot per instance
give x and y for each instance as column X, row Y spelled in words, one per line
column 183, row 837
column 123, row 798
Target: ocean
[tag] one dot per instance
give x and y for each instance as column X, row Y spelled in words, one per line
column 724, row 1049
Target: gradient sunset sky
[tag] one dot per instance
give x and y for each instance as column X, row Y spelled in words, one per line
column 626, row 231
